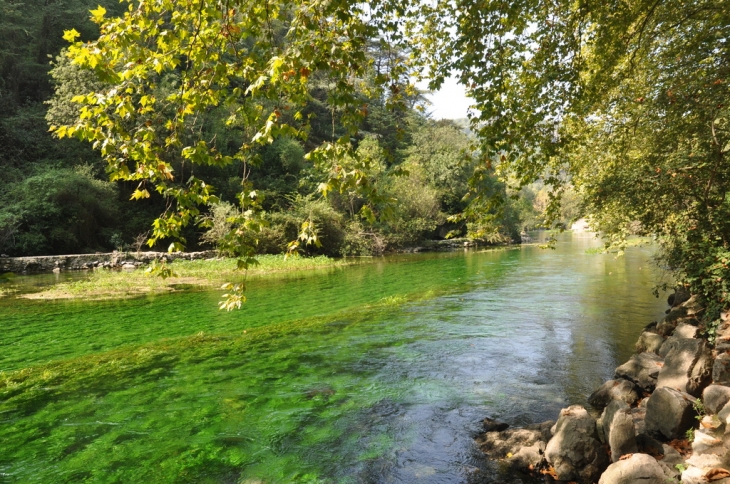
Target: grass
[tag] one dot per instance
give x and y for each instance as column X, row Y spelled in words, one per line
column 111, row 284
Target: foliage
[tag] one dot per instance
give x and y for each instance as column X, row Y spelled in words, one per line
column 625, row 102
column 31, row 211
column 220, row 223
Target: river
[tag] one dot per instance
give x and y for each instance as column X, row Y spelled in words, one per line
column 374, row 373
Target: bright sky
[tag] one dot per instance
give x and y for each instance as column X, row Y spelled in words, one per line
column 450, row 102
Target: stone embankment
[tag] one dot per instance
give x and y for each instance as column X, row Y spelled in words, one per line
column 121, row 260
column 665, row 417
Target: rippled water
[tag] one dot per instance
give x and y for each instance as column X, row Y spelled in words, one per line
column 320, row 388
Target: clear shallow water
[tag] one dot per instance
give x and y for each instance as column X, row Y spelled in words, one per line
column 319, row 389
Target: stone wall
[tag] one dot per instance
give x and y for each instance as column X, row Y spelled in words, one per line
column 51, row 263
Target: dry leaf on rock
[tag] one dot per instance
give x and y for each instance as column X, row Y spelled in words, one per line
column 716, row 474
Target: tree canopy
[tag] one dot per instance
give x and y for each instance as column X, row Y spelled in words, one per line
column 626, row 102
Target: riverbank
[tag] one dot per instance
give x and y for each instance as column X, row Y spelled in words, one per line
column 665, row 417
column 133, row 280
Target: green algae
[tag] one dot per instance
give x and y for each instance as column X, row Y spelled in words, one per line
column 367, row 374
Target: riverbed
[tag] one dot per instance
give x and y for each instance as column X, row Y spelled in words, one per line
column 374, row 373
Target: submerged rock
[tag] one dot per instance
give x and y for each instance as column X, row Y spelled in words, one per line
column 490, row 425
column 574, row 450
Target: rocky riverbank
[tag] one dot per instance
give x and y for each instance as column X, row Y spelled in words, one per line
column 76, row 262
column 665, row 417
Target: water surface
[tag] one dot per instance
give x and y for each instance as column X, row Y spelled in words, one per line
column 335, row 379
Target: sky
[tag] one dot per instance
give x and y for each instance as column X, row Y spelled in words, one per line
column 450, row 102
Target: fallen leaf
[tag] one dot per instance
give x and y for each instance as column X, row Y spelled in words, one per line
column 625, row 456
column 681, row 446
column 716, row 474
column 550, row 471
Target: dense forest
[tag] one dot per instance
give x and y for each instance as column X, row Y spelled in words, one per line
column 57, row 197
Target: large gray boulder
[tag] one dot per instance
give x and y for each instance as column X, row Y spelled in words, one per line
column 668, row 345
column 649, row 342
column 622, row 390
column 687, row 366
column 715, row 397
column 637, row 468
column 607, row 417
column 622, row 438
column 669, row 413
column 642, row 369
column 638, row 414
column 574, row 451
column 724, row 416
column 684, row 330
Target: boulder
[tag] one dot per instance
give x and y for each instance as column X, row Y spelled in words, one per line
column 622, row 390
column 490, row 425
column 669, row 344
column 638, row 415
column 521, row 448
column 649, row 342
column 669, row 413
column 642, row 369
column 705, row 443
column 721, row 369
column 649, row 445
column 608, row 414
column 692, row 306
column 670, row 321
column 680, row 296
column 637, row 468
column 687, row 366
column 724, row 414
column 685, row 330
column 715, row 397
column 622, row 438
column 574, row 451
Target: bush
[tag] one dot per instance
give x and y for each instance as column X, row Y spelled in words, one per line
column 56, row 212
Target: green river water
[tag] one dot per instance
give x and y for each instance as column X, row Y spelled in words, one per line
column 375, row 373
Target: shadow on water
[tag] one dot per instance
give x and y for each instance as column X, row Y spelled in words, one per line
column 318, row 390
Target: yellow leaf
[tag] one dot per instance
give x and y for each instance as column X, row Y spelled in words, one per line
column 98, row 14
column 137, row 194
column 70, row 35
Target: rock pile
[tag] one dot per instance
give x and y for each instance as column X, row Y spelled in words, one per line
column 123, row 260
column 665, row 417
